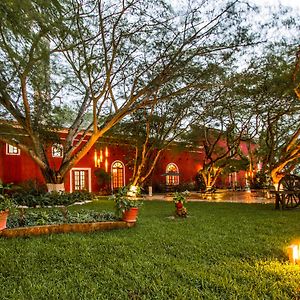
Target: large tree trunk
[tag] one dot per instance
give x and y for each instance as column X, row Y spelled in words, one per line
column 144, row 168
column 54, row 181
column 210, row 176
column 276, row 176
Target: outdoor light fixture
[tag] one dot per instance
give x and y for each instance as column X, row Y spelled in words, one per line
column 106, row 165
column 101, row 156
column 294, row 253
column 98, row 158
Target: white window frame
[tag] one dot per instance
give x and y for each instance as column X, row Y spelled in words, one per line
column 12, row 153
column 89, row 178
column 57, row 148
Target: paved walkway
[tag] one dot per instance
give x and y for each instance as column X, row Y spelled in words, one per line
column 221, row 196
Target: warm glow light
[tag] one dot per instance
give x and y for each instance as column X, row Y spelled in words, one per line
column 106, row 165
column 106, row 152
column 294, row 253
column 95, row 158
column 101, row 156
column 132, row 191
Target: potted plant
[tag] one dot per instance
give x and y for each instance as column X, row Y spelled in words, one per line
column 6, row 205
column 179, row 200
column 126, row 208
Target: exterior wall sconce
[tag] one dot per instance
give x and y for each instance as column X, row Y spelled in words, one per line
column 106, row 165
column 99, row 158
column 294, row 254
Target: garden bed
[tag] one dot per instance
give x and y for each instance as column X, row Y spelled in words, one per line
column 63, row 228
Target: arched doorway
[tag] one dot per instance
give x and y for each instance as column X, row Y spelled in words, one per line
column 117, row 174
column 173, row 177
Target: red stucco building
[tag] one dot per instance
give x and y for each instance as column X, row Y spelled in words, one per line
column 109, row 165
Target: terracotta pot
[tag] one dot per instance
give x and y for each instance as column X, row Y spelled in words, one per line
column 3, row 218
column 130, row 215
column 179, row 205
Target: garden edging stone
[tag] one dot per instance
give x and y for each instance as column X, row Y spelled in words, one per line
column 64, row 228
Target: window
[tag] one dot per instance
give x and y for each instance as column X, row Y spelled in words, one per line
column 79, row 180
column 57, row 150
column 173, row 178
column 118, row 174
column 12, row 150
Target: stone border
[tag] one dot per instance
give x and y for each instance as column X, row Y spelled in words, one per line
column 63, row 228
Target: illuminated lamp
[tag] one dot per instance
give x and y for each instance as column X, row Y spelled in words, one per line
column 106, row 152
column 97, row 159
column 294, row 253
column 106, row 165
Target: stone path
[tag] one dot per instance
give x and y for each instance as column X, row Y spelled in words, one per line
column 221, row 196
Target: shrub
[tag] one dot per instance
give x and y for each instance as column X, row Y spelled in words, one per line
column 51, row 199
column 123, row 202
column 23, row 217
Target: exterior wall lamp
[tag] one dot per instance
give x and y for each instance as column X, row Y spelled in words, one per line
column 99, row 157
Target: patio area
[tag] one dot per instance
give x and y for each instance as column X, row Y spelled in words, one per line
column 221, row 196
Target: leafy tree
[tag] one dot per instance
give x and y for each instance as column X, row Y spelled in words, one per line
column 225, row 119
column 277, row 117
column 103, row 58
column 153, row 129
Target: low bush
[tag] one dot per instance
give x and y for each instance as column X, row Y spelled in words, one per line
column 24, row 218
column 50, row 199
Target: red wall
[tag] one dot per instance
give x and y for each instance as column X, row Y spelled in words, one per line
column 188, row 164
column 20, row 168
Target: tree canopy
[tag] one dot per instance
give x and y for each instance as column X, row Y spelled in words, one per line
column 103, row 58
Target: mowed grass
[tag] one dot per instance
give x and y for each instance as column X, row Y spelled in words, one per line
column 221, row 251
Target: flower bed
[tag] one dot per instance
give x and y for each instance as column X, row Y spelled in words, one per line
column 63, row 228
column 55, row 216
column 26, row 222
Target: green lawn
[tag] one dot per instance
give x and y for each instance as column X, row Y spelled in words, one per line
column 221, row 251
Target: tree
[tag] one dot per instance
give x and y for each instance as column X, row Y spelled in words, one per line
column 153, row 129
column 277, row 111
column 104, row 58
column 224, row 123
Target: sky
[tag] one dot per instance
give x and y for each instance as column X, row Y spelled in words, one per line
column 292, row 3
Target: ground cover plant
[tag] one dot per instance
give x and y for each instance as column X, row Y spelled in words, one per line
column 221, row 251
column 36, row 217
column 34, row 198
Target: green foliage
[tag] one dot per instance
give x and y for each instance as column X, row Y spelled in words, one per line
column 260, row 181
column 102, row 176
column 123, row 202
column 36, row 217
column 236, row 165
column 180, row 196
column 6, row 203
column 33, row 199
column 4, row 187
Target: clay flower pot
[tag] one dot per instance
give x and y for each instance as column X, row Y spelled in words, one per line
column 179, row 205
column 130, row 215
column 3, row 218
